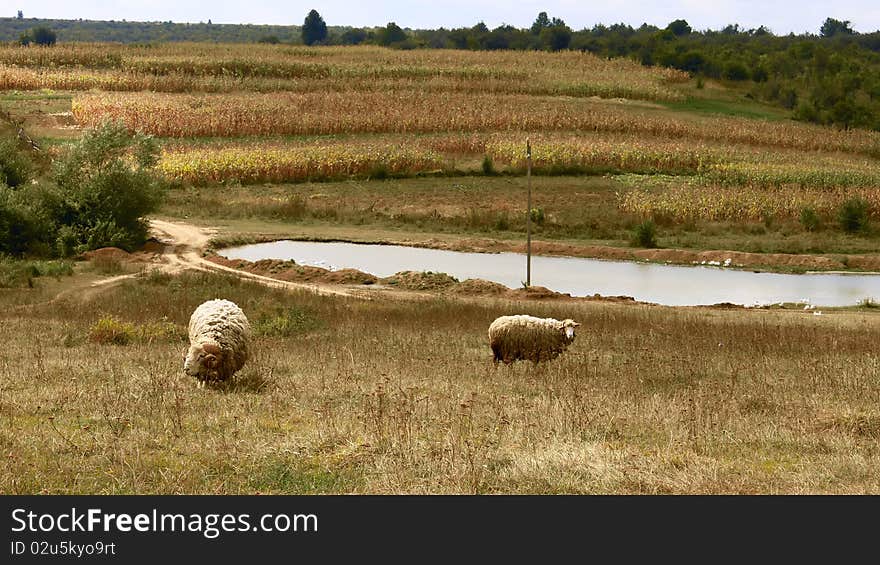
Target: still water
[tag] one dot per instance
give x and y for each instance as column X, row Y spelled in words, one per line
column 662, row 284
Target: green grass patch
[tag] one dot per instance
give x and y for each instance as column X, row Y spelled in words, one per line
column 737, row 108
column 291, row 477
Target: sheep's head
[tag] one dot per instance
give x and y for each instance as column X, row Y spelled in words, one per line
column 203, row 360
column 568, row 328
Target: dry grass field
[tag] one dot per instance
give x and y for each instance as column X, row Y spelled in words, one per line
column 400, row 396
column 394, row 391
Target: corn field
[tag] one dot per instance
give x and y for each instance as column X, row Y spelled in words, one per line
column 419, row 111
column 688, row 202
column 228, row 68
column 294, row 163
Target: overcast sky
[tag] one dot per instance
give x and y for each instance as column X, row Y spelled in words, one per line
column 781, row 17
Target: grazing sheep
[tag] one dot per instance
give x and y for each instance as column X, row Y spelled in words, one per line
column 219, row 333
column 530, row 338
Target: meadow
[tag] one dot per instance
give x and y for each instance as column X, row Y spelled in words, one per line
column 394, row 391
column 400, row 396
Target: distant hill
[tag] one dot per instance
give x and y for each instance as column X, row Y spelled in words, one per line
column 141, row 32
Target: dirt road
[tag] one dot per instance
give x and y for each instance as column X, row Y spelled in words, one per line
column 184, row 244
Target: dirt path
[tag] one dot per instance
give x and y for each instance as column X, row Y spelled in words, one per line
column 183, row 250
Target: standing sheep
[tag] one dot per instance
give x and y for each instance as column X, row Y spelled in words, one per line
column 219, row 333
column 530, row 338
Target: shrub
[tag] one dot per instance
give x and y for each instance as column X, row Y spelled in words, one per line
column 809, row 219
column 285, row 323
column 109, row 330
column 488, row 166
column 379, row 172
column 735, row 71
column 853, row 215
column 17, row 227
column 537, row 216
column 20, row 274
column 105, row 188
column 645, row 235
column 15, row 167
column 163, row 331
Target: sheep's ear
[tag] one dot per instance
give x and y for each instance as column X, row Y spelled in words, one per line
column 211, row 348
column 575, row 324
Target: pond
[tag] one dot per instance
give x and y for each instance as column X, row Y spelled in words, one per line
column 672, row 285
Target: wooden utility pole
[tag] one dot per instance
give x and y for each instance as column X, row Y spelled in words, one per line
column 529, row 214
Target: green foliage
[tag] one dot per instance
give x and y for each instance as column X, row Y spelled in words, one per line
column 735, row 70
column 103, row 187
column 853, row 215
column 269, row 39
column 810, row 219
column 832, row 27
column 353, row 37
column 16, row 273
column 106, row 186
column 390, row 34
column 18, row 227
column 110, row 331
column 314, row 29
column 541, row 22
column 285, row 322
column 645, row 235
column 537, row 216
column 556, row 37
column 488, row 166
column 40, row 35
column 15, row 167
column 679, row 28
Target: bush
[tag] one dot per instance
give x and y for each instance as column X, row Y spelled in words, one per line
column 105, row 188
column 109, row 330
column 488, row 166
column 285, row 323
column 17, row 226
column 43, row 36
column 537, row 216
column 853, row 215
column 15, row 167
column 161, row 331
column 645, row 235
column 810, row 219
column 735, row 71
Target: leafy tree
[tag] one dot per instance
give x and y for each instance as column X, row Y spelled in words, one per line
column 541, row 22
column 679, row 28
column 314, row 29
column 833, row 27
column 20, row 15
column 390, row 34
column 270, row 39
column 556, row 37
column 43, row 36
column 353, row 37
